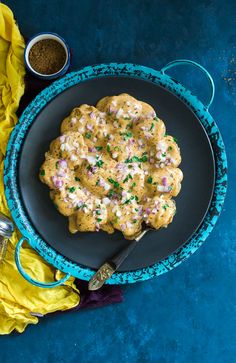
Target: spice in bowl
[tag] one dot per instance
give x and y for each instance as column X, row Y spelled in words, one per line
column 47, row 56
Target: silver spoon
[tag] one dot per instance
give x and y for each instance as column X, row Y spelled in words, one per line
column 110, row 266
column 6, row 230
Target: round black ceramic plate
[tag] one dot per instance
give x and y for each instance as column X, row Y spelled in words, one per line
column 92, row 249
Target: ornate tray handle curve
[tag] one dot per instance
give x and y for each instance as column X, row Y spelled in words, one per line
column 27, row 277
column 179, row 62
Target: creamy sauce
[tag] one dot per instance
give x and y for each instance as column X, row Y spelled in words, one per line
column 114, row 167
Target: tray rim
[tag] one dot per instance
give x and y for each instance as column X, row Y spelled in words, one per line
column 116, row 70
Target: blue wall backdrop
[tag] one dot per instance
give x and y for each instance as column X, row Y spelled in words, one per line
column 189, row 314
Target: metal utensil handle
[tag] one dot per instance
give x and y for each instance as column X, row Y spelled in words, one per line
column 119, row 258
column 179, row 62
column 27, row 277
column 109, row 267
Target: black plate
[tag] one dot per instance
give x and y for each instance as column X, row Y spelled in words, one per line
column 92, row 249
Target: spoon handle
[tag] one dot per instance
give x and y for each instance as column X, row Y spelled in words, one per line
column 109, row 267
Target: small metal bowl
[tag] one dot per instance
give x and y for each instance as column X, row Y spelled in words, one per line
column 47, row 35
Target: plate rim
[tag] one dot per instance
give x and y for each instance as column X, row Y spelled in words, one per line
column 97, row 71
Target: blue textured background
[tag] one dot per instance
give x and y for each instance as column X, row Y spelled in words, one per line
column 189, row 314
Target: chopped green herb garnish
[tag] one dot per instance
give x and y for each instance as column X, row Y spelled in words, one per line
column 136, row 209
column 133, row 185
column 115, row 183
column 117, row 148
column 170, row 148
column 163, row 155
column 129, row 126
column 127, row 135
column 165, row 206
column 77, row 179
column 137, row 159
column 81, row 206
column 143, row 158
column 133, row 159
column 175, row 140
column 134, row 221
column 109, row 113
column 99, row 163
column 97, row 182
column 99, row 220
column 111, row 193
column 149, row 180
column 98, row 148
column 88, row 135
column 42, row 172
column 152, row 126
column 57, row 165
column 127, row 201
column 155, row 118
column 130, row 199
column 127, row 118
column 108, row 148
column 71, row 190
column 129, row 176
column 98, row 212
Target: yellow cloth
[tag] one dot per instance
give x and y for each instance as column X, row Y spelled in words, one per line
column 18, row 298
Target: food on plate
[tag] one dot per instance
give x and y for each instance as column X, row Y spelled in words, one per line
column 114, row 167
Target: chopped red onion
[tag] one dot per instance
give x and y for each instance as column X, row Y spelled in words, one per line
column 164, row 181
column 57, row 182
column 62, row 163
column 89, row 127
column 151, row 114
column 122, row 226
column 157, row 204
column 92, row 115
column 61, row 173
column 92, row 149
column 131, row 141
column 148, row 211
column 62, row 138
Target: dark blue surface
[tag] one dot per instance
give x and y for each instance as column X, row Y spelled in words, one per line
column 187, row 315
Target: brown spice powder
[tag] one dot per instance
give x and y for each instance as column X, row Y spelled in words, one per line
column 47, row 56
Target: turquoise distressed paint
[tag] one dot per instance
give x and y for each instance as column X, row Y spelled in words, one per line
column 101, row 70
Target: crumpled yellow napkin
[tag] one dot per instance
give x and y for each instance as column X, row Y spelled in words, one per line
column 21, row 302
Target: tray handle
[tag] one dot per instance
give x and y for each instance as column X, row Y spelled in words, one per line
column 27, row 277
column 197, row 65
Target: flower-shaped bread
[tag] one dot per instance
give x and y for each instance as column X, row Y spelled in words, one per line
column 114, row 167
